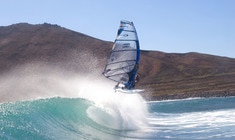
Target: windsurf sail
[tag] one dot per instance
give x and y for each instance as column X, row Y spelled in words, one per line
column 124, row 58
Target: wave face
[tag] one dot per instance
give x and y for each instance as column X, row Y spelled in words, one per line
column 127, row 118
column 67, row 118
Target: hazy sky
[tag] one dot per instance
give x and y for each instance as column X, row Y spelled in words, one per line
column 178, row 26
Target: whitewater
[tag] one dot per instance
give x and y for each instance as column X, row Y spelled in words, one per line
column 46, row 105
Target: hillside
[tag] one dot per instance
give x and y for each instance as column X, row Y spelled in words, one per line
column 186, row 75
column 163, row 75
column 47, row 44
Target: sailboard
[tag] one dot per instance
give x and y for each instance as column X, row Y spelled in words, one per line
column 124, row 58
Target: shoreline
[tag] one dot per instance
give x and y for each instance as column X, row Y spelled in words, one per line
column 205, row 94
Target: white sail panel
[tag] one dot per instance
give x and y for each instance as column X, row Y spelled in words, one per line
column 124, row 55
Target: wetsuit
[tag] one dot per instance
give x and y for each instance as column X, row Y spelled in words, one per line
column 131, row 83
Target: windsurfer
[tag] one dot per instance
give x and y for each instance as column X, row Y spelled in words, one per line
column 134, row 78
column 124, row 58
column 131, row 83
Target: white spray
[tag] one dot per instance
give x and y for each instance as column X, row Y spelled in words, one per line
column 114, row 110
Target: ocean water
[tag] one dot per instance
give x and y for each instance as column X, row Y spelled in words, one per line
column 45, row 104
column 117, row 116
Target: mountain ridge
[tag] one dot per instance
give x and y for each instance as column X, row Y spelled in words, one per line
column 163, row 75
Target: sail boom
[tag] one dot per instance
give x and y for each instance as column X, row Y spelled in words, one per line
column 120, row 67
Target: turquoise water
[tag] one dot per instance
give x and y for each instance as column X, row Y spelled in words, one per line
column 125, row 117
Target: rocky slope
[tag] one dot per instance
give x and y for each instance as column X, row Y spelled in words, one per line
column 187, row 75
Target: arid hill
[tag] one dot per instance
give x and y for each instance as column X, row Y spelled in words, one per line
column 186, row 75
column 48, row 45
column 163, row 75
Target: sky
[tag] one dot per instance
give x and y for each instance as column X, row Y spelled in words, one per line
column 171, row 26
